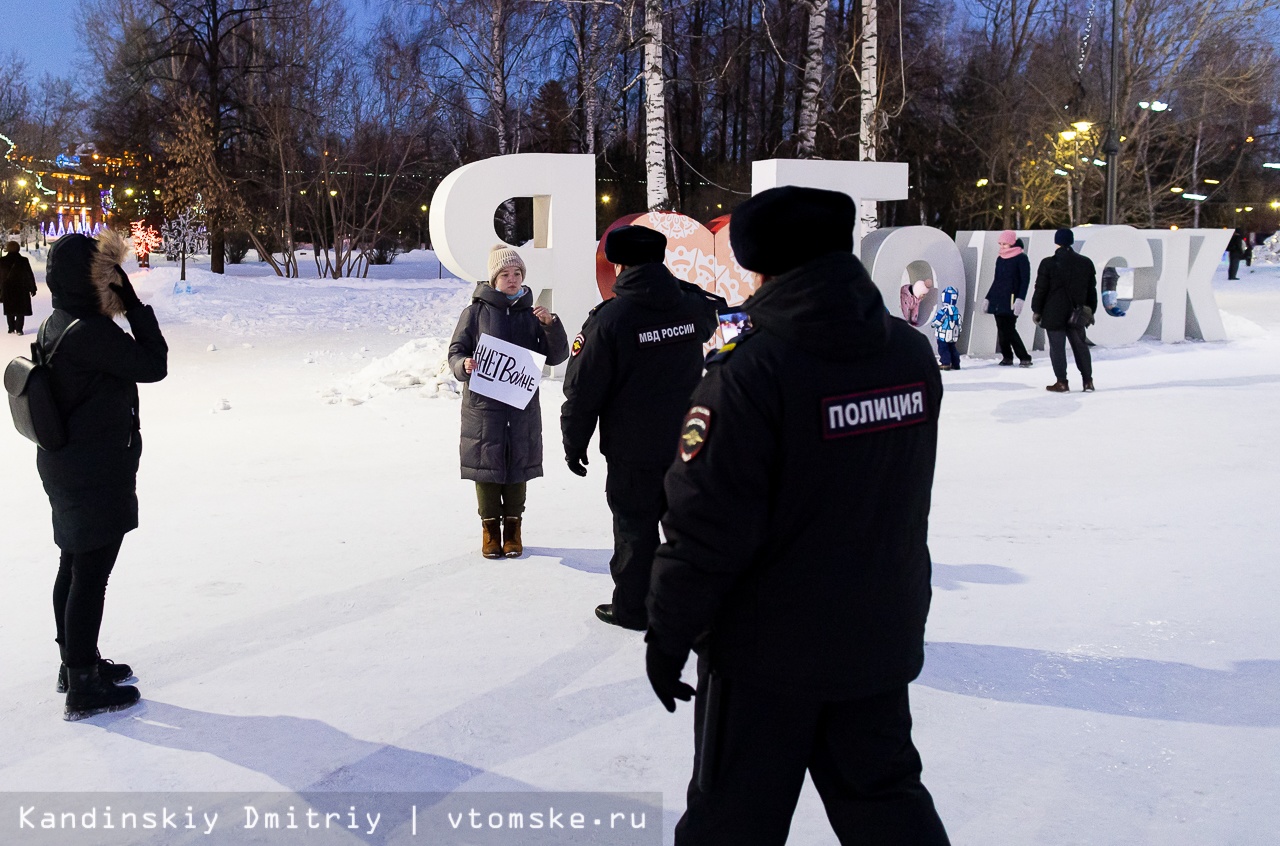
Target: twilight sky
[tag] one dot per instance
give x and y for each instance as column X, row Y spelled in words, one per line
column 44, row 33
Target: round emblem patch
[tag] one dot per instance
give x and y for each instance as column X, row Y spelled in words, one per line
column 694, row 432
column 578, row 341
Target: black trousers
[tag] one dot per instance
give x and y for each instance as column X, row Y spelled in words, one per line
column 79, row 593
column 15, row 322
column 1008, row 340
column 1058, row 352
column 859, row 753
column 1233, row 264
column 637, row 499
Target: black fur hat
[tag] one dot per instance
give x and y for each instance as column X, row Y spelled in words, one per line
column 81, row 270
column 630, row 245
column 782, row 228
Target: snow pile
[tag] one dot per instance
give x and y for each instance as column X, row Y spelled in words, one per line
column 421, row 365
column 249, row 300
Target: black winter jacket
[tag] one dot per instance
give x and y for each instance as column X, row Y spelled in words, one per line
column 799, row 508
column 1011, row 280
column 91, row 482
column 634, row 366
column 17, row 283
column 500, row 443
column 1064, row 280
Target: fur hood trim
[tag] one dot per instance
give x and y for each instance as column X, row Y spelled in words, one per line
column 112, row 250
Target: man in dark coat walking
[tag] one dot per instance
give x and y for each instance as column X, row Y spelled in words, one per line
column 17, row 287
column 1065, row 281
column 1235, row 252
column 796, row 560
column 633, row 367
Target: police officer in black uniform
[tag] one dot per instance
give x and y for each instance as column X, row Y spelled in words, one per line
column 633, row 368
column 796, row 562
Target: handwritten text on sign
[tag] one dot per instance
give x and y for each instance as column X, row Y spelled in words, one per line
column 506, row 372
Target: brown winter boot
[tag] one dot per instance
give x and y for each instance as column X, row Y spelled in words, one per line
column 511, row 545
column 1059, row 387
column 491, row 547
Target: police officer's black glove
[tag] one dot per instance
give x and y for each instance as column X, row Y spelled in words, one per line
column 664, row 674
column 577, row 463
column 124, row 290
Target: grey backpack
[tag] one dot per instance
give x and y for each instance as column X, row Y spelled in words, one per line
column 27, row 382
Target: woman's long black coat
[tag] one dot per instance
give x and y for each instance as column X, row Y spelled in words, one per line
column 499, row 443
column 91, row 482
column 17, row 284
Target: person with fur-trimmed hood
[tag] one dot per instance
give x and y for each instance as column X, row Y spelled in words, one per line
column 92, row 481
column 501, row 446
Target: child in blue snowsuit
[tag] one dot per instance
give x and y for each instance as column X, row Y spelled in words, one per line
column 947, row 325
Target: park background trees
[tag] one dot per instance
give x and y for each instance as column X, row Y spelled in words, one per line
column 288, row 122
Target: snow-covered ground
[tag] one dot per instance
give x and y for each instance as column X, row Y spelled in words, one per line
column 307, row 608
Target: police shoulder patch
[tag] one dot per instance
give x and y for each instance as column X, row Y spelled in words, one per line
column 694, row 432
column 578, row 341
column 873, row 411
column 718, row 355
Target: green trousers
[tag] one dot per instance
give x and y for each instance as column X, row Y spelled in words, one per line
column 500, row 500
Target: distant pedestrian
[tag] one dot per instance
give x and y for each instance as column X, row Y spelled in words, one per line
column 946, row 324
column 92, row 481
column 1248, row 249
column 501, row 446
column 17, row 287
column 1007, row 296
column 1235, row 252
column 1066, row 281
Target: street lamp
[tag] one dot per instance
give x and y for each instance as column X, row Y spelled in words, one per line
column 1111, row 142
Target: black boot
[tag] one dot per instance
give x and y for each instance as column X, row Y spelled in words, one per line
column 108, row 670
column 88, row 695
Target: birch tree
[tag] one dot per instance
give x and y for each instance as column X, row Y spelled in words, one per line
column 869, row 114
column 815, row 61
column 655, row 108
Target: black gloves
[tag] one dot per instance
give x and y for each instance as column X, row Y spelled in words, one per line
column 664, row 674
column 124, row 290
column 577, row 463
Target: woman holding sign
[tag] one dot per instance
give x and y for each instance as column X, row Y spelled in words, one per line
column 502, row 443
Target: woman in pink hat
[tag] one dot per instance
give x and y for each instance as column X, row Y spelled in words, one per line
column 1006, row 297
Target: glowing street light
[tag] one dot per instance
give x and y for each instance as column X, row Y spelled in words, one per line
column 1176, row 190
column 983, row 182
column 1082, row 125
column 1196, row 197
column 1212, row 182
column 1067, row 135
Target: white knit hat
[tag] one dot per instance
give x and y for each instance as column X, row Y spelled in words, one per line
column 501, row 256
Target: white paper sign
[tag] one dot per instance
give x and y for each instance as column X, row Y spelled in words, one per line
column 506, row 372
